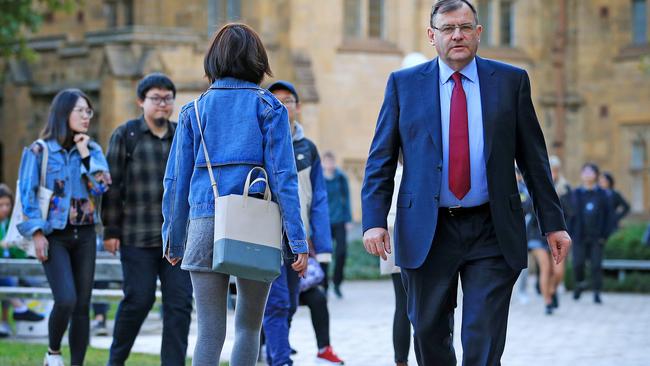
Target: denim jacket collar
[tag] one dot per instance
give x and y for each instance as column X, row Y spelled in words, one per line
column 232, row 83
column 53, row 145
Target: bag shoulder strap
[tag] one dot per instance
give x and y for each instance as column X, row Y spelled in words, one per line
column 132, row 130
column 46, row 156
column 215, row 192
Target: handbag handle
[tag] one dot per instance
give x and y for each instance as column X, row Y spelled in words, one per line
column 46, row 156
column 248, row 184
column 213, row 183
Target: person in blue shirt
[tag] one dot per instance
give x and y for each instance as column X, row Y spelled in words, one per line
column 64, row 241
column 338, row 195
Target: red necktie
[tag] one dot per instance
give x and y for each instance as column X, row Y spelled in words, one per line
column 459, row 176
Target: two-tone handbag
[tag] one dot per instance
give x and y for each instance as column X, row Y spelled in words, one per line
column 247, row 230
column 13, row 237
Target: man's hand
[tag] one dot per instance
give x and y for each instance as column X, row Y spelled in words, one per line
column 377, row 242
column 112, row 245
column 560, row 243
column 300, row 265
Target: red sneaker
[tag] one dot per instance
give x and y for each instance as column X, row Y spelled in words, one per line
column 328, row 356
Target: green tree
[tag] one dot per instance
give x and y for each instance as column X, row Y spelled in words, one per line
column 18, row 18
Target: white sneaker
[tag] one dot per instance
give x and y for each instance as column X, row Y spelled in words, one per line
column 52, row 360
column 5, row 330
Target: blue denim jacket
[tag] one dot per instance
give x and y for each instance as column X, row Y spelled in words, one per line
column 75, row 188
column 244, row 126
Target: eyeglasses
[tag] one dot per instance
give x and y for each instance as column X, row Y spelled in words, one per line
column 158, row 100
column 288, row 101
column 87, row 111
column 449, row 29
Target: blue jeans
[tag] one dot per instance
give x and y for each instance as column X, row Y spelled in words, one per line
column 280, row 307
column 141, row 267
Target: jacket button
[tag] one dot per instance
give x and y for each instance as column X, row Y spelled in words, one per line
column 437, row 198
column 439, row 167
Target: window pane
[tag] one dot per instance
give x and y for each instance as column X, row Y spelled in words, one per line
column 485, row 19
column 637, row 193
column 352, row 18
column 234, row 10
column 638, row 155
column 376, row 18
column 506, row 23
column 639, row 21
column 128, row 12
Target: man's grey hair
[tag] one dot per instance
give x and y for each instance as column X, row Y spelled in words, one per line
column 446, row 6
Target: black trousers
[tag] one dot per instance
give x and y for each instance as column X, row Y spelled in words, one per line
column 340, row 251
column 401, row 324
column 70, row 269
column 592, row 249
column 316, row 300
column 464, row 247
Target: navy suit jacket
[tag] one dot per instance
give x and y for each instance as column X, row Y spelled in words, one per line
column 409, row 121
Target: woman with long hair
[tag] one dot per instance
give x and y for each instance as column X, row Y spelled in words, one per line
column 64, row 241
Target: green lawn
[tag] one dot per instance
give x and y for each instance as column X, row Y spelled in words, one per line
column 19, row 354
column 13, row 353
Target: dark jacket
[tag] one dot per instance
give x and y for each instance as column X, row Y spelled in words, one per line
column 599, row 226
column 410, row 121
column 338, row 197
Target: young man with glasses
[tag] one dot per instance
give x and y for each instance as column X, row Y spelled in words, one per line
column 132, row 217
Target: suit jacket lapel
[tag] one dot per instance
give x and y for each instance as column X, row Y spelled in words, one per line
column 489, row 100
column 428, row 84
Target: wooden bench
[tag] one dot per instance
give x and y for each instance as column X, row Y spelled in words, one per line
column 106, row 269
column 624, row 265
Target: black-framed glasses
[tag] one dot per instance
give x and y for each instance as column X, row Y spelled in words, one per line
column 158, row 100
column 449, row 29
column 84, row 111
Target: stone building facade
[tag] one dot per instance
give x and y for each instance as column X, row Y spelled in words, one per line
column 587, row 60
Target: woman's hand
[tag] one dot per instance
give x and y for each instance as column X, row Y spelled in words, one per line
column 41, row 246
column 81, row 141
column 172, row 261
column 300, row 265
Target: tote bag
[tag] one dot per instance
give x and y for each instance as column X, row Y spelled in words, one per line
column 14, row 238
column 247, row 230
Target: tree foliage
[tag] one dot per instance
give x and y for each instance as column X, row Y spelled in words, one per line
column 19, row 18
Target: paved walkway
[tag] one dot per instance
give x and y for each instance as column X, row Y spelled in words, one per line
column 579, row 333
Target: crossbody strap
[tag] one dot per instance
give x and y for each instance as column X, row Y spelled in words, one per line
column 46, row 156
column 215, row 192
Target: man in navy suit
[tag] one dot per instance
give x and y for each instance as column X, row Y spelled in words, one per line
column 460, row 122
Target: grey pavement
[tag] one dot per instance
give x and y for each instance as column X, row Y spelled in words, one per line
column 579, row 333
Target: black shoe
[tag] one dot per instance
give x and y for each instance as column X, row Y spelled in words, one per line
column 577, row 292
column 337, row 292
column 293, row 352
column 597, row 299
column 554, row 303
column 28, row 316
column 549, row 309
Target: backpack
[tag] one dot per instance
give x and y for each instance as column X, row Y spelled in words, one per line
column 133, row 135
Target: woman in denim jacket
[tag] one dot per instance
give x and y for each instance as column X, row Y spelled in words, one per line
column 64, row 241
column 244, row 126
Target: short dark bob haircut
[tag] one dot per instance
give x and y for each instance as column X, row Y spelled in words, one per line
column 154, row 80
column 593, row 167
column 57, row 121
column 237, row 51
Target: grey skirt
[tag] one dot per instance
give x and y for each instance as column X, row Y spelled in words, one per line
column 199, row 245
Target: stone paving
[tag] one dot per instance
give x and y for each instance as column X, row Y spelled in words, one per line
column 579, row 333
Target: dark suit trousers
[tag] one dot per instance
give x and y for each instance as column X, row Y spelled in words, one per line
column 464, row 246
